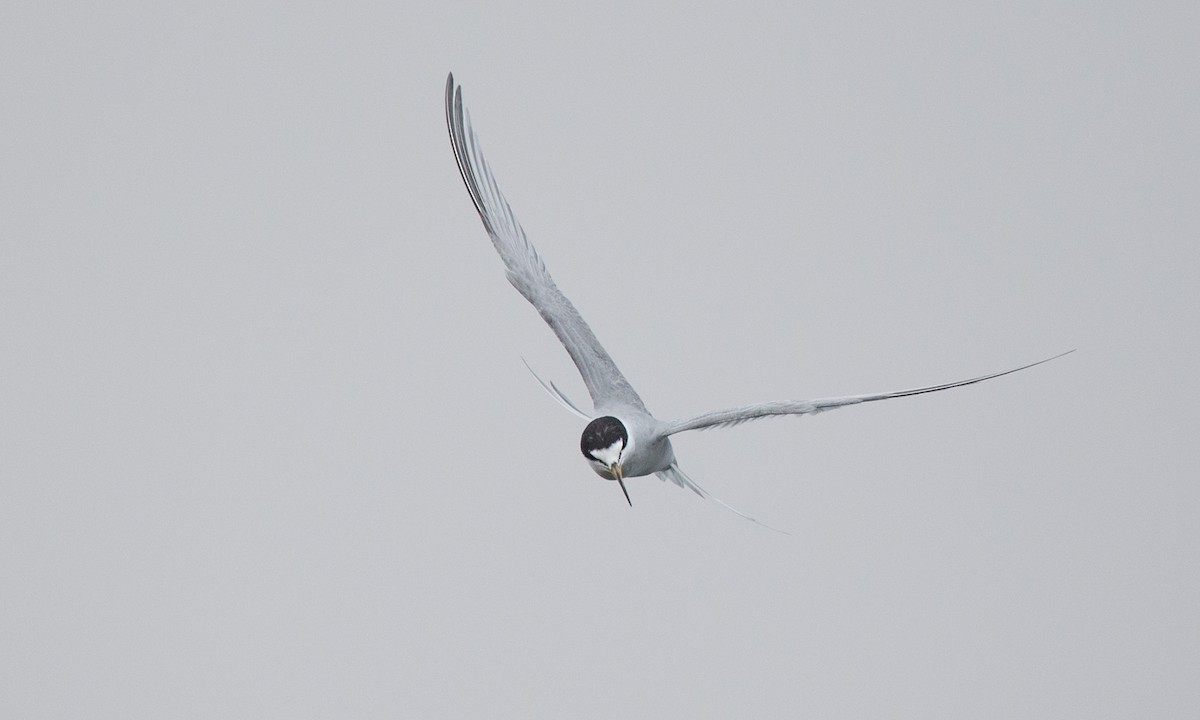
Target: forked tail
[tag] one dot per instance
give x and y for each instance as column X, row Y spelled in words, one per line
column 557, row 394
column 675, row 475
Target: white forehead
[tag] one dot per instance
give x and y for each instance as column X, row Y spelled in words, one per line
column 610, row 454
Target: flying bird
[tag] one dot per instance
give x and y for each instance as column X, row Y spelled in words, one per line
column 622, row 439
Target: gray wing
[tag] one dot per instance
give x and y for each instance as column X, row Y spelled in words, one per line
column 722, row 418
column 526, row 271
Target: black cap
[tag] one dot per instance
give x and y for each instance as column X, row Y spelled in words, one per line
column 601, row 433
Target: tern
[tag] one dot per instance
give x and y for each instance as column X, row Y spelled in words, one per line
column 622, row 439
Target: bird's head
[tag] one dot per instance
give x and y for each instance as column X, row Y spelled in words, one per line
column 604, row 444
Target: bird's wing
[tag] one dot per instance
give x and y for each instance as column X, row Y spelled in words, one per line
column 735, row 416
column 526, row 271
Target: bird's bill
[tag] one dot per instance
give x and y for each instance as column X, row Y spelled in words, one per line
column 615, row 469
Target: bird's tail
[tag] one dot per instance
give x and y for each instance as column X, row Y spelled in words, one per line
column 557, row 394
column 675, row 475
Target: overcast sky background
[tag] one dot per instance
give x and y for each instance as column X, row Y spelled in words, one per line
column 267, row 447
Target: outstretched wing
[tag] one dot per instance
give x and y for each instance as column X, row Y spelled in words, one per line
column 811, row 407
column 526, row 271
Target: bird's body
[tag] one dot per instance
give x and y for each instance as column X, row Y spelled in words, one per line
column 647, row 450
column 622, row 438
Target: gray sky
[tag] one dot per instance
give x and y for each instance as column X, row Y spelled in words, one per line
column 267, row 447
